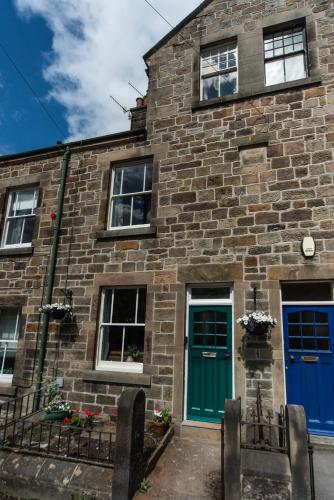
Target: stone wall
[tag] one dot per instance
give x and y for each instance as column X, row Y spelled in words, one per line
column 236, row 188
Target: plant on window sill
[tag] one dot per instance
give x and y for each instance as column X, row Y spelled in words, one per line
column 133, row 354
column 257, row 323
column 57, row 310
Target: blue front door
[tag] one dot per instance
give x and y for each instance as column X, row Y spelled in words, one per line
column 309, row 343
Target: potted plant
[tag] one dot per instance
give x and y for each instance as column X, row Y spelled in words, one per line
column 57, row 310
column 257, row 322
column 133, row 353
column 57, row 408
column 161, row 420
column 76, row 420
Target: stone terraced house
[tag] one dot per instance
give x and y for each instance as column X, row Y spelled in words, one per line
column 197, row 215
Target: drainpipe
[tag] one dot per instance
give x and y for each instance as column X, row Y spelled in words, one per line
column 51, row 275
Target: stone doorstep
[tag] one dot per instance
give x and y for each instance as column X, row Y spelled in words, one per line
column 199, row 431
column 266, row 464
column 322, row 440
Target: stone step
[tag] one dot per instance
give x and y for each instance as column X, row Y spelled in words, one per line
column 200, row 431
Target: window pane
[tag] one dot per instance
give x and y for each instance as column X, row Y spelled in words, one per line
column 112, row 338
column 8, row 320
column 307, row 331
column 321, row 317
column 294, row 330
column 322, row 331
column 274, row 72
column 9, row 365
column 141, row 213
column 121, row 211
column 15, row 227
column 232, row 60
column 306, row 291
column 221, row 341
column 133, row 179
column 293, row 317
column 107, row 302
column 210, row 293
column 309, row 344
column 124, row 310
column 294, row 343
column 141, row 306
column 307, row 317
column 211, row 87
column 295, row 67
column 28, row 229
column 323, row 345
column 117, row 180
column 228, row 83
column 134, row 343
column 24, row 203
column 148, row 177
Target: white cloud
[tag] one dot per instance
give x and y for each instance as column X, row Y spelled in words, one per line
column 97, row 47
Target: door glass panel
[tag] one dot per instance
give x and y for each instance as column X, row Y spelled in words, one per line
column 309, row 344
column 293, row 317
column 221, row 328
column 322, row 331
column 295, row 343
column 221, row 341
column 294, row 330
column 198, row 339
column 221, row 317
column 323, row 345
column 209, row 340
column 307, row 317
column 204, row 316
column 321, row 317
column 307, row 331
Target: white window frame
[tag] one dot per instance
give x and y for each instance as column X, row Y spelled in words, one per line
column 113, row 196
column 8, row 218
column 284, row 56
column 117, row 366
column 215, row 69
column 4, row 377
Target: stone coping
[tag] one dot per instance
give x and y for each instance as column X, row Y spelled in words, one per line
column 125, row 233
column 121, row 378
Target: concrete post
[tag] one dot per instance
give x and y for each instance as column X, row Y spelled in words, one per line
column 128, row 462
column 298, row 452
column 232, row 451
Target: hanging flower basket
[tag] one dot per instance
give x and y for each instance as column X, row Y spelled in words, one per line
column 57, row 311
column 257, row 323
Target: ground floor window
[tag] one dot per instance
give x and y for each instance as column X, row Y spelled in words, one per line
column 9, row 332
column 122, row 329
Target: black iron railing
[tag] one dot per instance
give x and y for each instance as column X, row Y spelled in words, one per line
column 18, row 409
column 264, row 430
column 63, row 441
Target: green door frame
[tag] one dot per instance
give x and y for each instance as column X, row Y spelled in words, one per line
column 209, row 360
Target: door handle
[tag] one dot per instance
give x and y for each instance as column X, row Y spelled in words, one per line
column 292, row 358
column 209, row 354
column 227, row 355
column 310, row 359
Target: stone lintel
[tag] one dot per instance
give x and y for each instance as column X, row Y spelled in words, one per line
column 210, row 273
column 137, row 379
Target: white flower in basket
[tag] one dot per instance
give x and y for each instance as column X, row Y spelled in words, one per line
column 257, row 322
column 57, row 310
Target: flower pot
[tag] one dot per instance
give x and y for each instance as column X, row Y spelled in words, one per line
column 55, row 416
column 259, row 329
column 58, row 313
column 159, row 428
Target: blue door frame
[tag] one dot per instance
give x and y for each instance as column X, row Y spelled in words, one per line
column 309, row 369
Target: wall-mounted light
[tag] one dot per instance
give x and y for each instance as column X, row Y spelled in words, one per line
column 308, row 247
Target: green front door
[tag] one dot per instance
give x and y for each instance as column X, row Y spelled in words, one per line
column 209, row 362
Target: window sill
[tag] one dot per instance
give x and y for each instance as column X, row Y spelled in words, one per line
column 246, row 94
column 16, row 251
column 6, row 389
column 121, row 378
column 126, row 232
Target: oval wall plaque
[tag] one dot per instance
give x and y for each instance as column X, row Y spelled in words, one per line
column 308, row 247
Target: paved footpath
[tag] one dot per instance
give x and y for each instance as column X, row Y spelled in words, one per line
column 324, row 472
column 187, row 470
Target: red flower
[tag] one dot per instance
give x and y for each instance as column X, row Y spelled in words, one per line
column 66, row 421
column 87, row 412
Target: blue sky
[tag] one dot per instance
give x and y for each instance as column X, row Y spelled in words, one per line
column 74, row 53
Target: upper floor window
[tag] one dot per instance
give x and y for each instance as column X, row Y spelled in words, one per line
column 9, row 333
column 122, row 329
column 131, row 189
column 285, row 56
column 20, row 217
column 219, row 72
